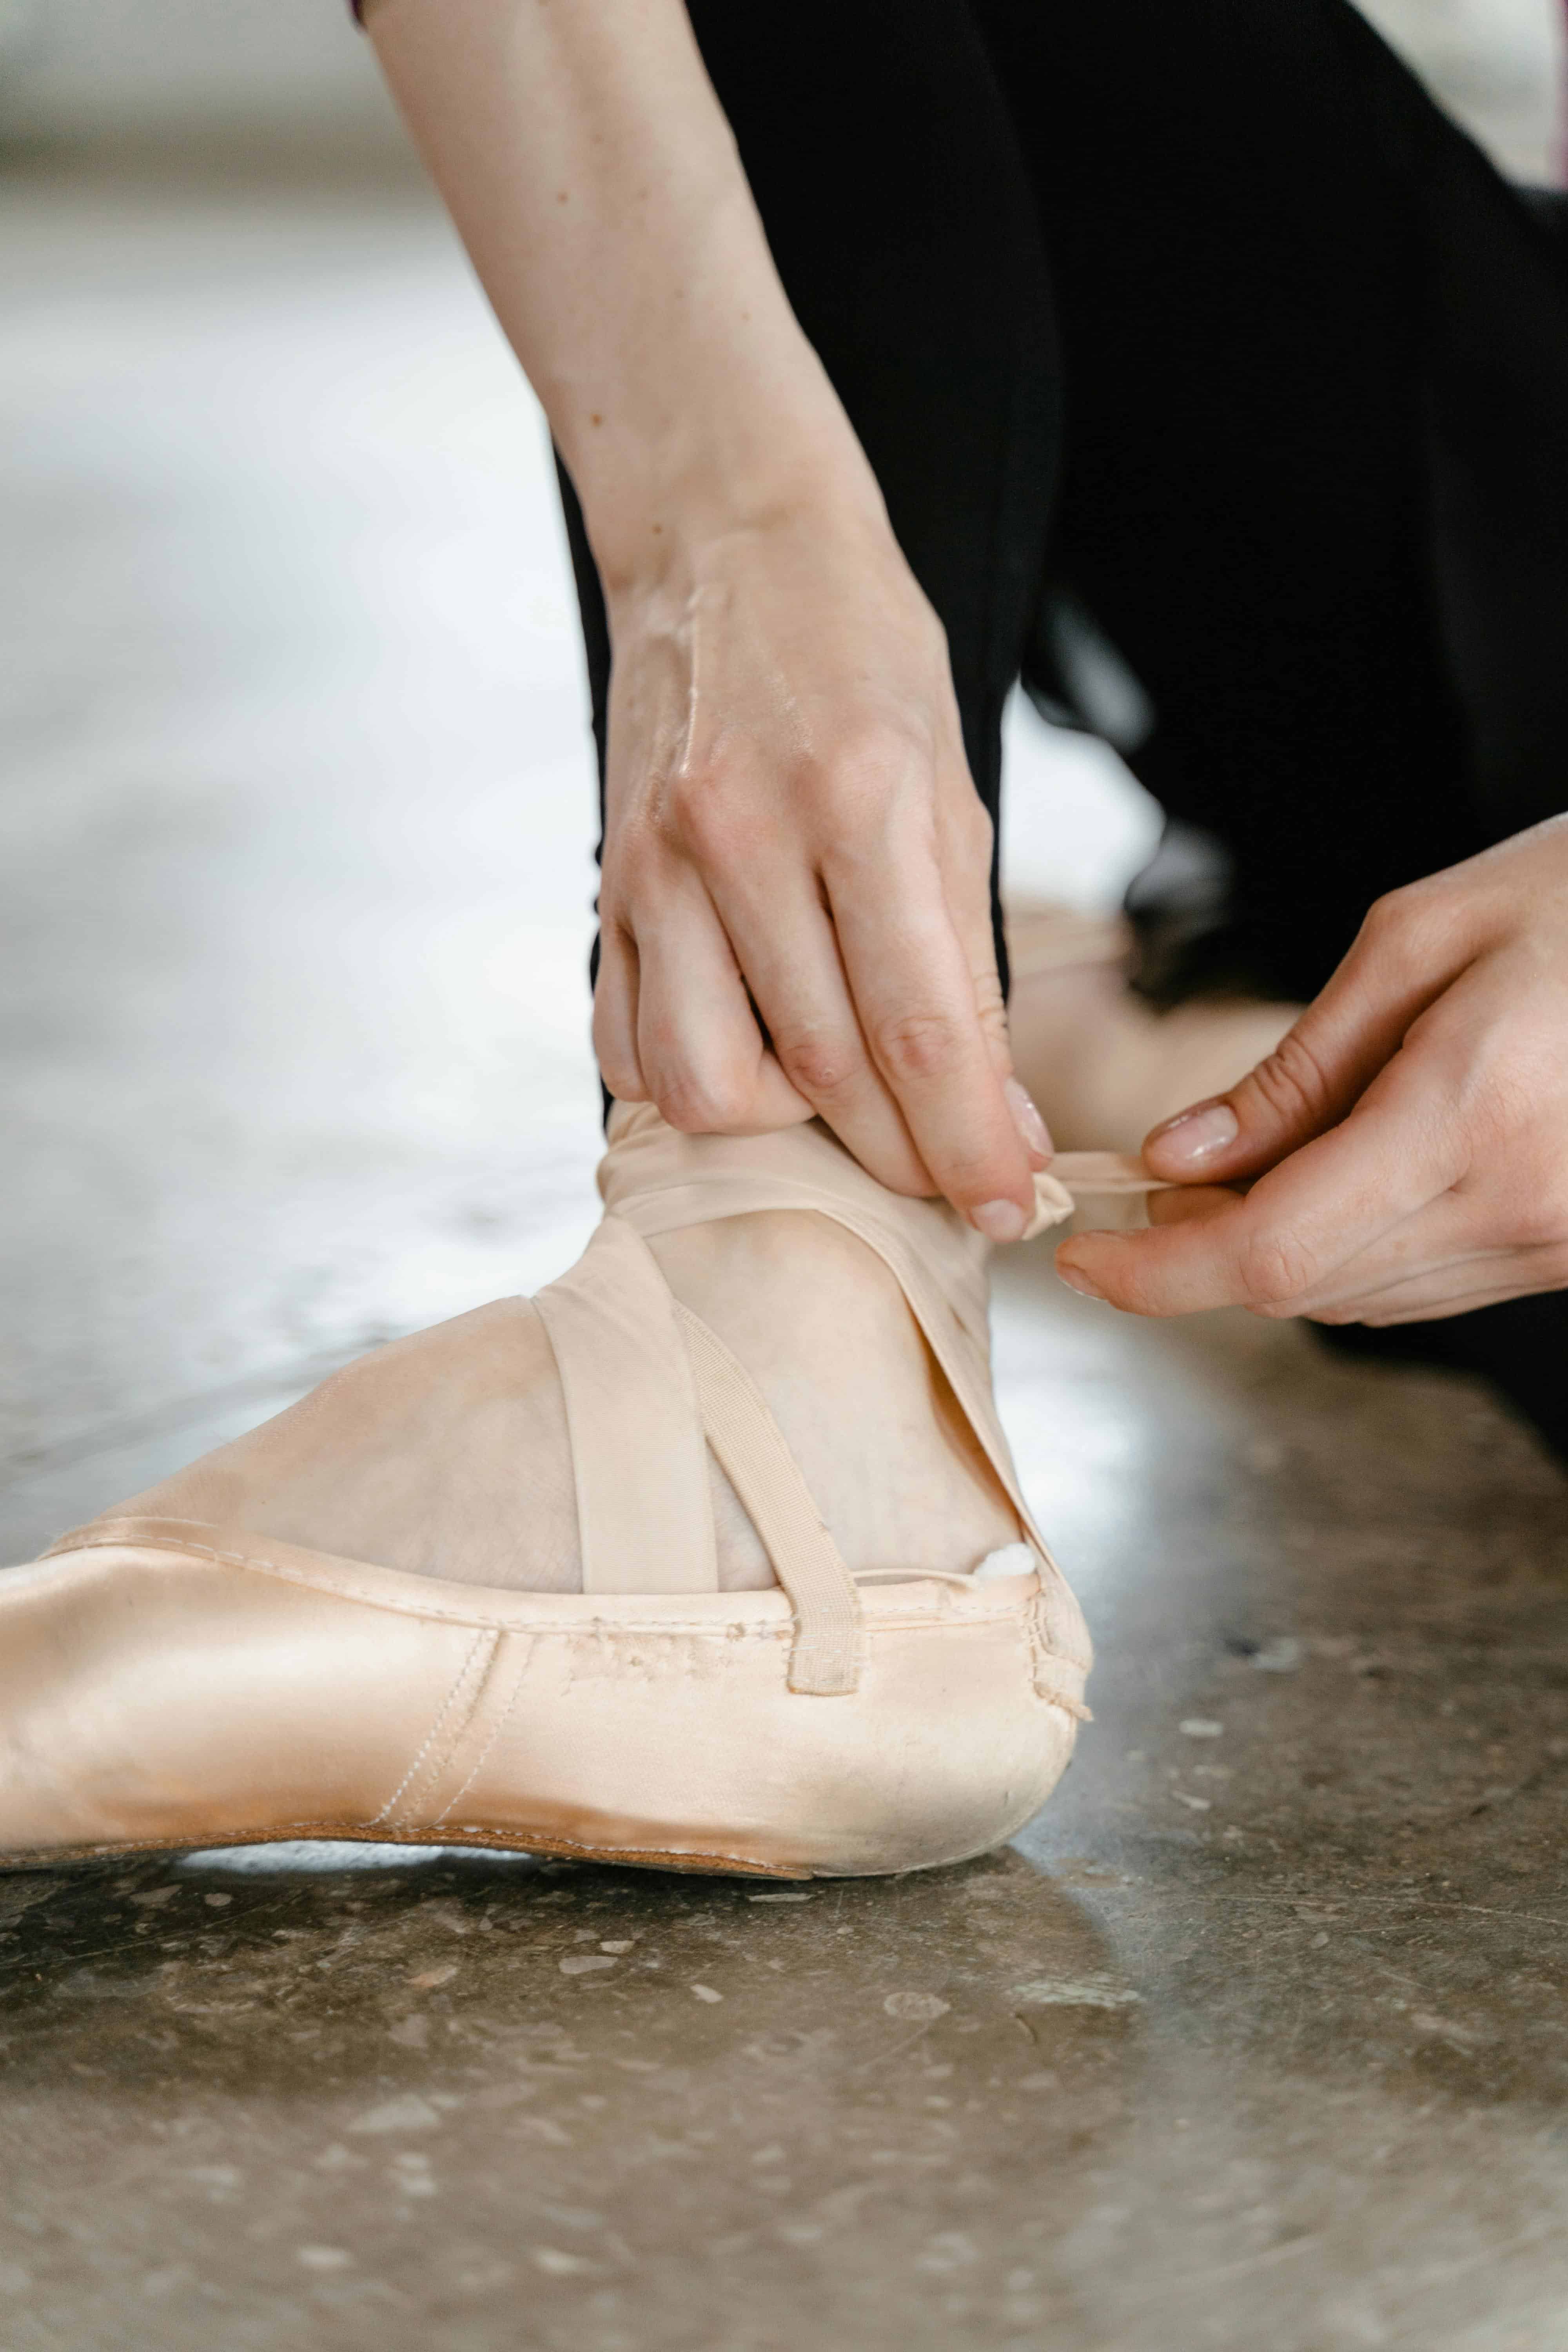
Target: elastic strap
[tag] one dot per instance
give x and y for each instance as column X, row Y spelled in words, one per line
column 645, row 1509
column 754, row 1456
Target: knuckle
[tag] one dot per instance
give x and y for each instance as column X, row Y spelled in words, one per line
column 704, row 811
column 1275, row 1270
column 619, row 1072
column 868, row 765
column 622, row 1079
column 632, row 838
column 703, row 1102
column 990, row 1003
column 1540, row 1221
column 1291, row 1080
column 917, row 1046
column 617, row 1067
column 874, row 744
column 1413, row 930
column 1384, row 916
column 821, row 1065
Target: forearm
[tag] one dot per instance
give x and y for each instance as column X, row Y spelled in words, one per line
column 586, row 162
column 794, row 907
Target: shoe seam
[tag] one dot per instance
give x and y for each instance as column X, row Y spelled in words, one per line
column 426, row 1768
column 503, row 1716
column 783, row 1631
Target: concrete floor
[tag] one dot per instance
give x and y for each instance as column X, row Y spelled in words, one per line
column 1257, row 2038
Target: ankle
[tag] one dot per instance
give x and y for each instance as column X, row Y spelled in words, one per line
column 823, row 1327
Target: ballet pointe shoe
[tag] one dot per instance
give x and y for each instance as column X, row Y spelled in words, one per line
column 250, row 1651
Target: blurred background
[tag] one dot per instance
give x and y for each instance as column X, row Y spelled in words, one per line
column 285, row 73
column 298, row 808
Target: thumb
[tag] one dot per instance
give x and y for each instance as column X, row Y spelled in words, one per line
column 1282, row 1104
column 1311, row 1080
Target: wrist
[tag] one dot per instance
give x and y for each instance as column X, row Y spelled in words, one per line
column 708, row 525
column 727, row 425
column 653, row 507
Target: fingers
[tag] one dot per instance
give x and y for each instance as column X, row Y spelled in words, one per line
column 965, row 844
column 879, row 1015
column 1284, row 1244
column 789, row 955
column 616, row 1015
column 1400, row 962
column 1483, row 1279
column 789, row 946
column 673, row 1026
column 1438, row 1193
column 944, row 1060
column 1452, row 1257
column 1031, row 1126
column 1427, row 1266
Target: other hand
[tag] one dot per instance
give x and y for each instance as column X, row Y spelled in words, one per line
column 1404, row 1152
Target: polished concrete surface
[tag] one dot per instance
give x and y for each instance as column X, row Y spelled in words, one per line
column 1258, row 2037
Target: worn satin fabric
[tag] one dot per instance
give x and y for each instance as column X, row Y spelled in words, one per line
column 250, row 1650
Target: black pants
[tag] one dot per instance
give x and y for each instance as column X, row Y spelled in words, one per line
column 1197, row 318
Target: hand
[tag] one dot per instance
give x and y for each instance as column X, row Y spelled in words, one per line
column 795, row 908
column 1404, row 1150
column 793, row 840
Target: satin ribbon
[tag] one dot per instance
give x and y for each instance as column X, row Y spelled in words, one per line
column 1075, row 1176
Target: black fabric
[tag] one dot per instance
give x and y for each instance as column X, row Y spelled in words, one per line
column 1198, row 315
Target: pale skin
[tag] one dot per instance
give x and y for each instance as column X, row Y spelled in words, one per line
column 783, row 734
column 792, row 833
column 791, row 828
column 1404, row 1152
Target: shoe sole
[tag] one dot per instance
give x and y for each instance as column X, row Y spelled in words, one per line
column 735, row 1865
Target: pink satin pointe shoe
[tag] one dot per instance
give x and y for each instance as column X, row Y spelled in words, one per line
column 250, row 1651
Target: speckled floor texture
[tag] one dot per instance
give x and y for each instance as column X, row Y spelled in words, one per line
column 1257, row 2038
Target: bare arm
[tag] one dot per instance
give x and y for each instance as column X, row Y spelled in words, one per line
column 583, row 155
column 790, row 819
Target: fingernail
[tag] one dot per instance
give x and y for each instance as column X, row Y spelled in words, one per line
column 1000, row 1221
column 1031, row 1126
column 1194, row 1136
column 1080, row 1283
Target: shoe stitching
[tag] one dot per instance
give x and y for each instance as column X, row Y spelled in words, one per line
column 503, row 1716
column 482, row 1650
column 314, row 1826
column 703, row 1628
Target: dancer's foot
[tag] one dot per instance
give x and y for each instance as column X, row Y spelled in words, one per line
column 450, row 1453
column 825, row 1331
column 474, row 1588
